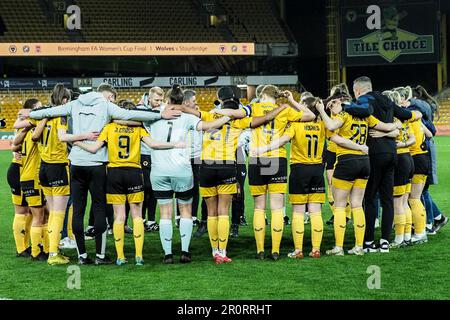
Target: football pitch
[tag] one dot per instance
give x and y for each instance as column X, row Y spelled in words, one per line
column 419, row 272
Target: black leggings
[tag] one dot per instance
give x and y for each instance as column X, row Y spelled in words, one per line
column 381, row 181
column 92, row 179
column 238, row 203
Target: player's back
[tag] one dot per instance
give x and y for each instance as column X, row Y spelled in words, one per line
column 124, row 145
column 308, row 141
column 52, row 150
column 176, row 161
column 30, row 158
column 272, row 130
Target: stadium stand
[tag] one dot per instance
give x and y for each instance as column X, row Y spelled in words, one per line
column 144, row 21
column 249, row 27
column 25, row 21
column 12, row 100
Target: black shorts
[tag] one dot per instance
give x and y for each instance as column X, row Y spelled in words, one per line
column 404, row 170
column 422, row 164
column 329, row 159
column 124, row 184
column 267, row 174
column 306, row 183
column 216, row 180
column 32, row 191
column 54, row 174
column 351, row 171
column 13, row 177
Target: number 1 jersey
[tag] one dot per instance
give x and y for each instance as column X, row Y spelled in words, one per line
column 172, row 162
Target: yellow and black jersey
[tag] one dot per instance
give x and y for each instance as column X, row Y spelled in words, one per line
column 219, row 145
column 124, row 144
column 30, row 158
column 404, row 135
column 331, row 146
column 419, row 147
column 52, row 150
column 307, row 141
column 354, row 129
column 272, row 130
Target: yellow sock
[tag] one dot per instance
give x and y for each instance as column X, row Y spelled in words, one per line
column 419, row 215
column 119, row 235
column 28, row 230
column 138, row 233
column 223, row 231
column 19, row 223
column 339, row 226
column 36, row 238
column 69, row 223
column 259, row 228
column 408, row 221
column 54, row 230
column 400, row 223
column 359, row 224
column 277, row 226
column 213, row 233
column 298, row 230
column 316, row 229
column 45, row 238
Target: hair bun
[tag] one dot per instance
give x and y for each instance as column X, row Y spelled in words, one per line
column 176, row 86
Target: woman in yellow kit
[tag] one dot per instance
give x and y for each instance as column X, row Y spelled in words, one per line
column 125, row 180
column 30, row 186
column 218, row 169
column 306, row 180
column 403, row 174
column 352, row 169
column 22, row 216
column 422, row 164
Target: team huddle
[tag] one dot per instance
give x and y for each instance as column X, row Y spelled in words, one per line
column 377, row 147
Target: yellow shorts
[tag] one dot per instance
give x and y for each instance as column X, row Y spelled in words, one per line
column 220, row 189
column 32, row 191
column 348, row 185
column 137, row 197
column 307, row 198
column 270, row 188
column 19, row 200
column 56, row 191
column 419, row 179
column 399, row 190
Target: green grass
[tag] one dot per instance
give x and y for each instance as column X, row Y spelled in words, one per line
column 419, row 272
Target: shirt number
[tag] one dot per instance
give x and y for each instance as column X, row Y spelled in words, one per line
column 312, row 140
column 124, row 145
column 359, row 133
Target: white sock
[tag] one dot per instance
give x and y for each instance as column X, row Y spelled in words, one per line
column 165, row 234
column 439, row 217
column 223, row 252
column 84, row 255
column 407, row 236
column 429, row 225
column 186, row 226
column 368, row 243
column 399, row 239
column 383, row 241
column 101, row 256
column 215, row 251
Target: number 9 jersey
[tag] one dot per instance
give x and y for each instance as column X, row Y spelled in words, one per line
column 124, row 144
